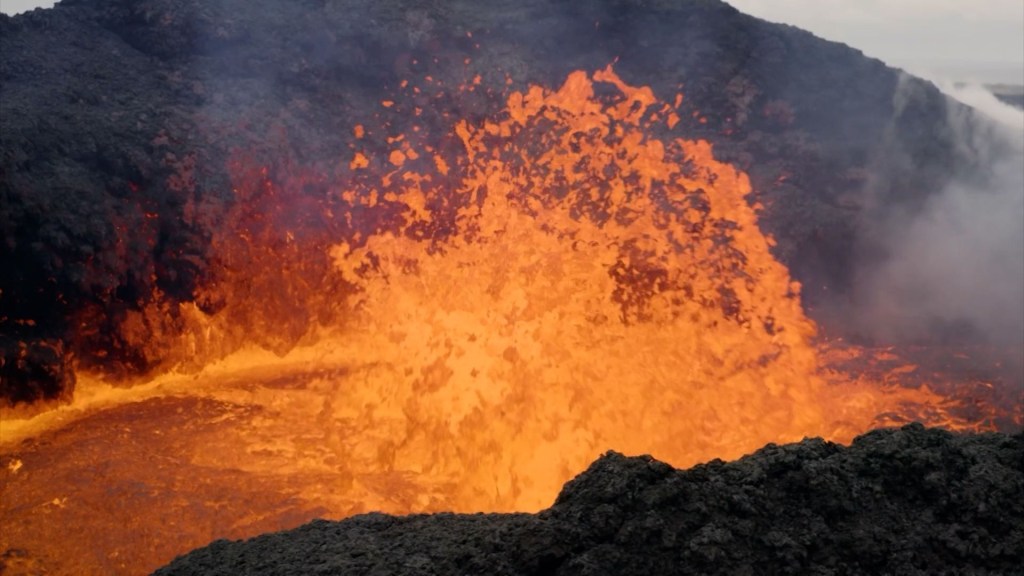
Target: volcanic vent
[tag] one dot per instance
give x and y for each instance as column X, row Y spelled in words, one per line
column 448, row 286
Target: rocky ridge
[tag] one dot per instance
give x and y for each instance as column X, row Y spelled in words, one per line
column 902, row 501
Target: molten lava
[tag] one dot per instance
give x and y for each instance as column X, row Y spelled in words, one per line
column 602, row 288
column 478, row 318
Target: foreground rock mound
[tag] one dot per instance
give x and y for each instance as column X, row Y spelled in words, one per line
column 907, row 501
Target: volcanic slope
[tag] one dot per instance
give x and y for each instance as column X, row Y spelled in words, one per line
column 898, row 501
column 119, row 120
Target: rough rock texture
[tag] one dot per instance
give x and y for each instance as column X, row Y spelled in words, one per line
column 120, row 118
column 907, row 501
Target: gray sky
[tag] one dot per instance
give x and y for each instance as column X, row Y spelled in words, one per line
column 959, row 39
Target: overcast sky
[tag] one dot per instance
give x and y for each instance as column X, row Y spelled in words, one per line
column 963, row 38
column 983, row 38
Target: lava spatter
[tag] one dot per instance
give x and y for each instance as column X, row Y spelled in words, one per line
column 457, row 322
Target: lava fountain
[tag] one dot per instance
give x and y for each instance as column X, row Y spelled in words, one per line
column 460, row 323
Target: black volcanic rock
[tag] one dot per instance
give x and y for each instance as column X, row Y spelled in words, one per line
column 120, row 117
column 907, row 501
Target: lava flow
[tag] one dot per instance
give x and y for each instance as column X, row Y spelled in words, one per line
column 477, row 322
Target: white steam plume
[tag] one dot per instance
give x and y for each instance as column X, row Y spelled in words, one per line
column 955, row 269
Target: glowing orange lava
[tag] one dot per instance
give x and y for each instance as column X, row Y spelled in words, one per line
column 476, row 322
column 604, row 288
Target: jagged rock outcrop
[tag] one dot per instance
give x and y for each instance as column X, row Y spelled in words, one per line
column 907, row 501
column 120, row 119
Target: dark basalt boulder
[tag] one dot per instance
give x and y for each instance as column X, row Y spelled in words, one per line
column 907, row 501
column 119, row 118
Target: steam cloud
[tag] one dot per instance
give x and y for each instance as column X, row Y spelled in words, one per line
column 954, row 267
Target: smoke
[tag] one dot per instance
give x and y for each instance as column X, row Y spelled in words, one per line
column 953, row 266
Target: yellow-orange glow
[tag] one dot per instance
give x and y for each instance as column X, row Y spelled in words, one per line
column 604, row 288
column 567, row 277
